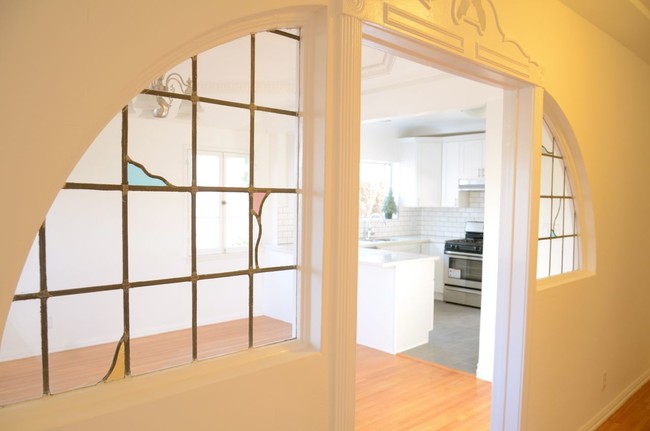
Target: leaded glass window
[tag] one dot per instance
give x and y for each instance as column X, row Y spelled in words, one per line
column 175, row 237
column 558, row 245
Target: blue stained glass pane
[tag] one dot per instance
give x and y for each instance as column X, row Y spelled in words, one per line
column 138, row 177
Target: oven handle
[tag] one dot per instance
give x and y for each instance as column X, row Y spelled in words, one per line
column 468, row 256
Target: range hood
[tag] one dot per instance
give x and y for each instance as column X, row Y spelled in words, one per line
column 471, row 184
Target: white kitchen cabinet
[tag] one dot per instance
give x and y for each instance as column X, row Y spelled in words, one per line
column 421, row 164
column 395, row 300
column 432, row 166
column 463, row 158
column 450, row 174
column 472, row 159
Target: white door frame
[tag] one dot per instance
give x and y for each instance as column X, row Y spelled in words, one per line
column 522, row 131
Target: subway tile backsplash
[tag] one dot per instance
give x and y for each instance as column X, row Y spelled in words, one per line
column 441, row 222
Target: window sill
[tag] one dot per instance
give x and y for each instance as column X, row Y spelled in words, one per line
column 563, row 279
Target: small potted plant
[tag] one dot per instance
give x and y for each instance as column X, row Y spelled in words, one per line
column 390, row 207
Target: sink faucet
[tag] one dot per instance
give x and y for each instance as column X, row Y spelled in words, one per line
column 370, row 234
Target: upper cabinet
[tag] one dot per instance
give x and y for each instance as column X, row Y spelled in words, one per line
column 433, row 168
column 421, row 172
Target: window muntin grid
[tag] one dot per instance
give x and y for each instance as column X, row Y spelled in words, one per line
column 558, row 245
column 264, row 287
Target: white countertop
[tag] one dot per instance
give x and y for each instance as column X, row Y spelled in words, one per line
column 400, row 240
column 386, row 258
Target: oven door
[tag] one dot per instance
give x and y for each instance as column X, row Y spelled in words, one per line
column 463, row 269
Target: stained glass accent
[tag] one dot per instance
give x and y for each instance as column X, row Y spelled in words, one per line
column 118, row 366
column 138, row 176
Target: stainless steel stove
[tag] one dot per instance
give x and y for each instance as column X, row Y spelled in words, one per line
column 464, row 267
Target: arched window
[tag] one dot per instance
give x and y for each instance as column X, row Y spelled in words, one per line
column 558, row 246
column 175, row 237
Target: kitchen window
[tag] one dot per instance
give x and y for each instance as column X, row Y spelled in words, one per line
column 375, row 183
column 558, row 244
column 108, row 291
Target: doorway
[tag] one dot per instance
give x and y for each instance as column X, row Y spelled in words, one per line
column 501, row 357
column 428, row 130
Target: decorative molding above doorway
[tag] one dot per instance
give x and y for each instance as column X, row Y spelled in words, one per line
column 469, row 28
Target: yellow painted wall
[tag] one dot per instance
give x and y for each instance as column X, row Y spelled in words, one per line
column 68, row 66
column 598, row 325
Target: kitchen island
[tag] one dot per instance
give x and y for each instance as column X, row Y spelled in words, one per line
column 395, row 299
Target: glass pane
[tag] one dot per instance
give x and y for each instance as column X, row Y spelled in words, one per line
column 224, row 71
column 279, row 231
column 236, row 229
column 30, row 278
column 276, row 149
column 159, row 144
column 222, row 128
column 236, row 170
column 557, row 223
column 569, row 217
column 222, row 314
column 158, row 235
column 548, row 146
column 556, row 256
column 568, row 253
column 84, row 239
column 558, row 177
column 547, row 176
column 543, row 249
column 84, row 331
column 208, row 222
column 545, row 218
column 21, row 376
column 101, row 163
column 275, row 307
column 208, row 169
column 567, row 185
column 295, row 31
column 276, row 71
column 161, row 327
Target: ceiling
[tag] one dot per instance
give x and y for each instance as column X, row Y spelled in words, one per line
column 627, row 21
column 414, row 92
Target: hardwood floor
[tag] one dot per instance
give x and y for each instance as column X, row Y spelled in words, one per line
column 393, row 393
column 400, row 393
column 633, row 415
column 70, row 369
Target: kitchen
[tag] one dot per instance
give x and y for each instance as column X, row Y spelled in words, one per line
column 432, row 139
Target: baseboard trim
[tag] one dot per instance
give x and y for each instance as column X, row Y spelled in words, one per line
column 616, row 403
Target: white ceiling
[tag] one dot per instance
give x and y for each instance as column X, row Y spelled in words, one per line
column 415, row 99
column 627, row 21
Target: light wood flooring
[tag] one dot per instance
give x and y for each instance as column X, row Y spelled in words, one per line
column 634, row 415
column 401, row 393
column 22, row 379
column 393, row 393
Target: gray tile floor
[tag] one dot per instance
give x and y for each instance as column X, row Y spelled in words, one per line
column 454, row 339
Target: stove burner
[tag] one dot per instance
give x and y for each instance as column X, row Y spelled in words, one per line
column 466, row 245
column 473, row 241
